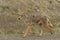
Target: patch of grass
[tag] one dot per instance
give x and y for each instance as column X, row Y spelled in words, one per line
column 19, row 32
column 13, row 32
column 10, row 32
column 2, row 32
column 57, row 30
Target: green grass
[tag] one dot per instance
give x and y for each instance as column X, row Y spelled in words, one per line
column 13, row 32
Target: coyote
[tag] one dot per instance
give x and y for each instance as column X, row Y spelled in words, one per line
column 39, row 20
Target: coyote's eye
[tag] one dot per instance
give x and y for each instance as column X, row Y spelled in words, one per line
column 20, row 17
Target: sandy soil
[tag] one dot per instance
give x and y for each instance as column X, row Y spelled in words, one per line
column 30, row 37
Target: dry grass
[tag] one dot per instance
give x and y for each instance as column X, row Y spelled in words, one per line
column 11, row 9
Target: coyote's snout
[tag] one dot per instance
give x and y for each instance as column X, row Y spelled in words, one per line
column 40, row 20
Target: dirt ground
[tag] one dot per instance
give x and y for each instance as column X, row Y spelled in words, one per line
column 30, row 37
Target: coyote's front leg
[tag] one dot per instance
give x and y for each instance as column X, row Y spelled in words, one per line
column 27, row 29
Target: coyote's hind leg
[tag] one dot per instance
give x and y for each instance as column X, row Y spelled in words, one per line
column 46, row 25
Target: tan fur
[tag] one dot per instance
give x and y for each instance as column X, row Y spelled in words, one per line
column 40, row 20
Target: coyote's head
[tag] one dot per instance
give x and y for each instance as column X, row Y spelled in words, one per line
column 26, row 17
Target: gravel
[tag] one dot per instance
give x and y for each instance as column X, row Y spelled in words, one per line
column 29, row 37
